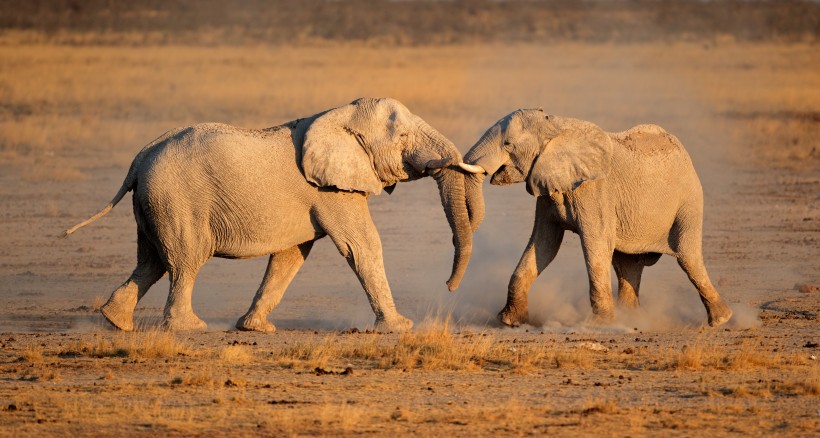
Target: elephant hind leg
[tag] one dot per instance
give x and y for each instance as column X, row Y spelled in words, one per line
column 628, row 269
column 690, row 258
column 716, row 309
column 179, row 314
column 282, row 267
column 119, row 310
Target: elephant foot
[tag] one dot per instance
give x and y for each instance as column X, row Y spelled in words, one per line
column 398, row 324
column 603, row 318
column 510, row 317
column 187, row 322
column 251, row 323
column 119, row 315
column 719, row 313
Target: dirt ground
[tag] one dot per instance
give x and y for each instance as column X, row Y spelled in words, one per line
column 73, row 116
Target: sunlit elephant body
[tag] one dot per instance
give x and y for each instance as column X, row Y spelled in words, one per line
column 630, row 196
column 213, row 190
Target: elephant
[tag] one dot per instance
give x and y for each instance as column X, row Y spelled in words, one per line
column 214, row 190
column 631, row 196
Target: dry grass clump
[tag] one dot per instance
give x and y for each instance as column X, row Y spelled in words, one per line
column 433, row 346
column 600, row 407
column 746, row 356
column 343, row 416
column 309, row 354
column 801, row 384
column 152, row 343
column 236, row 354
column 580, row 358
column 200, row 378
column 32, row 353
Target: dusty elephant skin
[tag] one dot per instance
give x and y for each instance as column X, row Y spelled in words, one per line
column 213, row 190
column 630, row 196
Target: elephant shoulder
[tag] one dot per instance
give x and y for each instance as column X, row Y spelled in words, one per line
column 648, row 139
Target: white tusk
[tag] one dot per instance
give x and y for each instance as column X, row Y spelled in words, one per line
column 472, row 168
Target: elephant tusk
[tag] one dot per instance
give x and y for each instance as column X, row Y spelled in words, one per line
column 472, row 168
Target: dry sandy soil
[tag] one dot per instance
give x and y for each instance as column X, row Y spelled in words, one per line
column 72, row 117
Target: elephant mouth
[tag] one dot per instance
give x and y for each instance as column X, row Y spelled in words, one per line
column 506, row 175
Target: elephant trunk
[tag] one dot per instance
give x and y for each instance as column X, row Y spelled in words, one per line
column 475, row 198
column 451, row 187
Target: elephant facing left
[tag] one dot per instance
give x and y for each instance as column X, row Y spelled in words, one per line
column 213, row 190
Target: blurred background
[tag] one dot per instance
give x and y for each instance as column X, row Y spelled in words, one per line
column 85, row 84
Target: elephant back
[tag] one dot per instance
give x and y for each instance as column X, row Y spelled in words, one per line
column 648, row 140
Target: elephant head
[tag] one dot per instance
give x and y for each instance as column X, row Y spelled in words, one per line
column 552, row 154
column 371, row 144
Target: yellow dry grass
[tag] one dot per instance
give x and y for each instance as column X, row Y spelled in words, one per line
column 236, row 354
column 143, row 343
column 32, row 353
column 706, row 355
column 433, row 346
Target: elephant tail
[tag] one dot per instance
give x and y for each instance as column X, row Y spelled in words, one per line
column 126, row 187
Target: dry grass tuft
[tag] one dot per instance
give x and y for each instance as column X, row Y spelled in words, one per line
column 97, row 303
column 746, row 356
column 580, row 358
column 236, row 354
column 802, row 384
column 152, row 343
column 32, row 353
column 200, row 378
column 600, row 407
column 309, row 354
column 434, row 347
column 345, row 417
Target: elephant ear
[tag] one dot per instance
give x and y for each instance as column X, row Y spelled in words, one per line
column 334, row 154
column 570, row 159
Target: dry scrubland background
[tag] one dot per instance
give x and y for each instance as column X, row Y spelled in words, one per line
column 85, row 84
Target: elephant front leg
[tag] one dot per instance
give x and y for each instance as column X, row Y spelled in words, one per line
column 352, row 230
column 598, row 256
column 540, row 251
column 282, row 267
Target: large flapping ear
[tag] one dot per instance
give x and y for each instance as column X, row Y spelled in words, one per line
column 569, row 159
column 334, row 154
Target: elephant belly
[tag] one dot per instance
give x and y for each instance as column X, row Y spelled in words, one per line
column 644, row 230
column 263, row 233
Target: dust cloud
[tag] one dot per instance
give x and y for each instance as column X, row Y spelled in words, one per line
column 623, row 92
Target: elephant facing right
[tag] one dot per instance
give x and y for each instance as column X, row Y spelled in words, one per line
column 630, row 196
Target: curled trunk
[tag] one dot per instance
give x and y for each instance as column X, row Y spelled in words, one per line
column 451, row 187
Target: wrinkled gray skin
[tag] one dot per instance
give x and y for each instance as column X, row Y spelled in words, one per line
column 214, row 190
column 630, row 196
